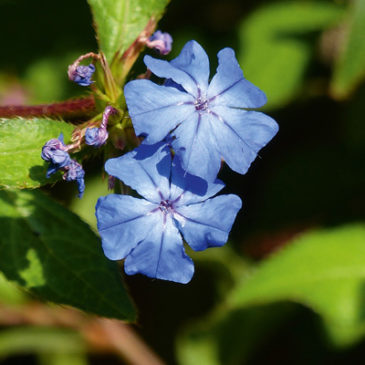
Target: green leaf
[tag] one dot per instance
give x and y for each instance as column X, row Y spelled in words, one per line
column 21, row 142
column 119, row 22
column 51, row 252
column 9, row 293
column 324, row 270
column 274, row 52
column 350, row 68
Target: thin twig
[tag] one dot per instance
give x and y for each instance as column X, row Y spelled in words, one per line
column 100, row 334
column 69, row 110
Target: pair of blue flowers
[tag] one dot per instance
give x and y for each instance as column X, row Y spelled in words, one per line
column 201, row 123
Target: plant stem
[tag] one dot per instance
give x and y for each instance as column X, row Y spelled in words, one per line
column 79, row 109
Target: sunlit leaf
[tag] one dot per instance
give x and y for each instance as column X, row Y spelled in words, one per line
column 276, row 47
column 119, row 22
column 21, row 142
column 324, row 270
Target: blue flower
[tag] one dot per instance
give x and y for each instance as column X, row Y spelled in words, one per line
column 160, row 41
column 148, row 232
column 208, row 120
column 82, row 74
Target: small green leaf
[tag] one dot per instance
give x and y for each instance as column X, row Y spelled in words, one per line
column 324, row 270
column 52, row 253
column 21, row 142
column 119, row 22
column 273, row 51
column 350, row 68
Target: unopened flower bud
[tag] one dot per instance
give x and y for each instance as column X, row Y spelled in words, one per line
column 81, row 74
column 160, row 41
column 96, row 136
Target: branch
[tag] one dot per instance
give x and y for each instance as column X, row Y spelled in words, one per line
column 71, row 109
column 100, row 334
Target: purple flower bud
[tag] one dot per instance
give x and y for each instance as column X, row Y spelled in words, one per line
column 96, row 136
column 75, row 172
column 54, row 151
column 160, row 41
column 81, row 74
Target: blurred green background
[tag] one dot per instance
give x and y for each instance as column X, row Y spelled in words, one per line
column 289, row 286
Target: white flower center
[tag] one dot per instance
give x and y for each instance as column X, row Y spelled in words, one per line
column 201, row 104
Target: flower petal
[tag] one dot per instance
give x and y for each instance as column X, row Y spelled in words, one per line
column 190, row 69
column 161, row 255
column 189, row 189
column 146, row 169
column 229, row 87
column 123, row 221
column 240, row 135
column 156, row 110
column 208, row 224
column 196, row 147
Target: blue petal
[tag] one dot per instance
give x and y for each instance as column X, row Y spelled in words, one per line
column 156, row 110
column 123, row 221
column 146, row 169
column 240, row 135
column 196, row 147
column 161, row 255
column 208, row 224
column 229, row 87
column 190, row 69
column 188, row 189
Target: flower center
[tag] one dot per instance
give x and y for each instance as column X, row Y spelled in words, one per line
column 201, row 104
column 166, row 206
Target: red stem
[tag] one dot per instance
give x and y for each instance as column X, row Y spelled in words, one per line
column 71, row 109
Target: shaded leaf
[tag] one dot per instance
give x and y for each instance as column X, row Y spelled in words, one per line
column 119, row 22
column 350, row 68
column 21, row 142
column 51, row 252
column 274, row 50
column 323, row 270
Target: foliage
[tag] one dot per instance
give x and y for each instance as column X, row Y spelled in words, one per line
column 119, row 22
column 247, row 300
